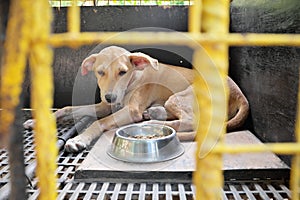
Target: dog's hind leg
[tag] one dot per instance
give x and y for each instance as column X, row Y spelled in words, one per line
column 179, row 107
column 158, row 112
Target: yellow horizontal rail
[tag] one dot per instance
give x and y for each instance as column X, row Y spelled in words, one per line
column 278, row 148
column 176, row 38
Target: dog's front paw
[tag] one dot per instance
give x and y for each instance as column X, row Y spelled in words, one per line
column 64, row 112
column 75, row 145
column 29, row 124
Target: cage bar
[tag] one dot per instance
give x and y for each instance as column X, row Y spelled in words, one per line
column 17, row 41
column 74, row 18
column 295, row 169
column 247, row 39
column 195, row 17
column 212, row 96
column 40, row 59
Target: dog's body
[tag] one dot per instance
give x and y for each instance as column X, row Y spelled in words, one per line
column 130, row 83
column 179, row 108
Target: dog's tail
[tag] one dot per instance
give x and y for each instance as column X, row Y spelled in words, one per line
column 235, row 122
column 240, row 117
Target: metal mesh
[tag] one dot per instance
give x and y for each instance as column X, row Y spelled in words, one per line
column 68, row 188
column 261, row 190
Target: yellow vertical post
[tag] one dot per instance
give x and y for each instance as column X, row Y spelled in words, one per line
column 195, row 17
column 74, row 18
column 42, row 98
column 295, row 168
column 14, row 63
column 212, row 96
column 28, row 33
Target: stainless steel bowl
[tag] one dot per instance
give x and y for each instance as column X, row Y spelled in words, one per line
column 145, row 143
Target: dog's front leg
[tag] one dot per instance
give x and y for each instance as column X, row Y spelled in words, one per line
column 98, row 110
column 127, row 115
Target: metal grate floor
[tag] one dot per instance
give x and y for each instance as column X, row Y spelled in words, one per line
column 68, row 188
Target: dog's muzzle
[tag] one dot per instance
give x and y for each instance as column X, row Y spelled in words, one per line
column 110, row 97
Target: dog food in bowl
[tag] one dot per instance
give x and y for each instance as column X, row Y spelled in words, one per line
column 145, row 132
column 144, row 143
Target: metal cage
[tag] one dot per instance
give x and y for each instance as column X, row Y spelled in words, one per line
column 29, row 36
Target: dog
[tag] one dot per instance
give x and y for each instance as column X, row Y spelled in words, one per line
column 131, row 84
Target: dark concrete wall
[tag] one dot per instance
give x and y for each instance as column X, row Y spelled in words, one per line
column 268, row 75
column 124, row 18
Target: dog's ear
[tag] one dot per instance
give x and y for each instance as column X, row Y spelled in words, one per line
column 141, row 60
column 87, row 64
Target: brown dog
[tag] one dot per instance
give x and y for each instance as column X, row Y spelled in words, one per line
column 130, row 83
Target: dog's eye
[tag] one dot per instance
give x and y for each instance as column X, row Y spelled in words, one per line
column 121, row 73
column 101, row 73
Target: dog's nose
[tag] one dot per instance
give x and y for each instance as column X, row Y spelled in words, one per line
column 110, row 97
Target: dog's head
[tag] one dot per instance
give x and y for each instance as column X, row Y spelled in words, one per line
column 115, row 68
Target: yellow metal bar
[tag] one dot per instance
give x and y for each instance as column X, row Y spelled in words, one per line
column 251, row 39
column 212, row 96
column 209, row 91
column 294, row 179
column 278, row 148
column 14, row 62
column 40, row 58
column 74, row 18
column 295, row 171
column 194, row 20
column 29, row 22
